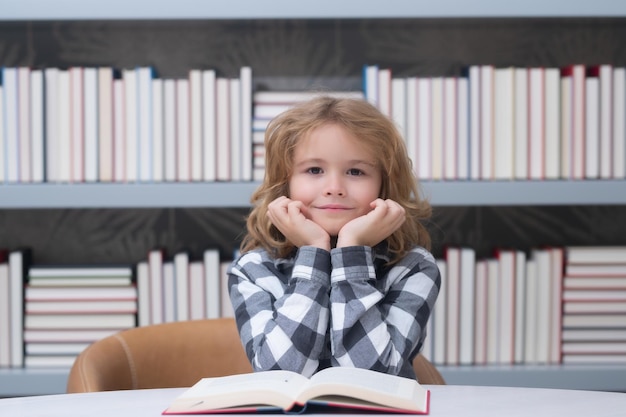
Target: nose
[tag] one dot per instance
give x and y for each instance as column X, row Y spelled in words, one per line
column 335, row 186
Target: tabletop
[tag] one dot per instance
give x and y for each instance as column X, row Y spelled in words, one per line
column 446, row 401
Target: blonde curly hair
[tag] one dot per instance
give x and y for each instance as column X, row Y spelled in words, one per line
column 375, row 131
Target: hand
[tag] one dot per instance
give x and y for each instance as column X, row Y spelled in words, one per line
column 289, row 218
column 374, row 227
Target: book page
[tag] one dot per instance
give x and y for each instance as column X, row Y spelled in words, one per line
column 366, row 385
column 271, row 388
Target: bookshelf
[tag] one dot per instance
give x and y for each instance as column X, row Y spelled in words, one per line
column 203, row 195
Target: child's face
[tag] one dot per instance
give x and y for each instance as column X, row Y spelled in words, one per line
column 335, row 177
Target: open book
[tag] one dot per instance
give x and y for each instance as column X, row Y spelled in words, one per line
column 285, row 391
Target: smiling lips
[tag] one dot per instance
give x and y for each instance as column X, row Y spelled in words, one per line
column 333, row 207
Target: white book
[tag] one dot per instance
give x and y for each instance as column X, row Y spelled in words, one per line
column 370, row 84
column 209, row 125
column 90, row 121
column 24, row 133
column 131, row 124
column 493, row 312
column 542, row 304
column 567, row 130
column 424, row 128
column 475, row 121
column 37, row 125
column 195, row 130
column 65, row 127
column 592, row 127
column 440, row 318
column 197, row 291
column 51, row 76
column 453, row 301
column 80, row 307
column 158, row 125
column 181, row 272
column 384, row 91
column 144, row 310
column 578, row 122
column 11, row 129
column 619, row 123
column 506, row 298
column 450, row 150
column 481, row 300
column 520, row 122
column 520, row 305
column 424, row 119
column 169, row 130
column 235, row 129
column 486, row 122
column 536, row 122
column 437, row 113
column 467, row 305
column 503, row 123
column 5, row 315
column 77, row 127
column 119, row 131
column 552, row 131
column 211, row 259
column 411, row 137
column 169, row 292
column 49, row 361
column 606, row 121
column 555, row 304
column 16, row 294
column 119, row 321
column 105, row 124
column 399, row 111
column 39, row 335
column 222, row 95
column 463, row 145
column 183, row 132
column 58, row 348
column 144, row 123
column 245, row 76
column 155, row 265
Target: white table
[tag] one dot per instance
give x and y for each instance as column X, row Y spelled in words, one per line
column 446, row 400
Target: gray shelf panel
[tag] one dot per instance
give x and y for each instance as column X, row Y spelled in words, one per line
column 581, row 377
column 21, row 382
column 237, row 194
column 288, row 9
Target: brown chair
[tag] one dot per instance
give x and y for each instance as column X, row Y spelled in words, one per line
column 174, row 355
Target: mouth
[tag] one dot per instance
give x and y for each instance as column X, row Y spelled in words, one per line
column 333, row 207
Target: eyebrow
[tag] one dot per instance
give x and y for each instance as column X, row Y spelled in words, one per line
column 351, row 162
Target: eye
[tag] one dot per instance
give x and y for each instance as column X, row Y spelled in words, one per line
column 314, row 170
column 355, row 171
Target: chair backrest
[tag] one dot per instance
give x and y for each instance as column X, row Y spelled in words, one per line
column 174, row 355
column 166, row 355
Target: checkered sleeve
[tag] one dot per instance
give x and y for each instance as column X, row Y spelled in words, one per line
column 281, row 308
column 379, row 315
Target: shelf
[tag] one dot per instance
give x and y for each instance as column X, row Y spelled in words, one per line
column 237, row 194
column 288, row 9
column 20, row 382
column 582, row 377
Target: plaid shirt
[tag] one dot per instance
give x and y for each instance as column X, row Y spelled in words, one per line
column 337, row 308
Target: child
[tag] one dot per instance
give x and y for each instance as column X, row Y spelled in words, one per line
column 334, row 269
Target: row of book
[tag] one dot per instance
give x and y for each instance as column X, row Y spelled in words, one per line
column 513, row 123
column 548, row 306
column 86, row 124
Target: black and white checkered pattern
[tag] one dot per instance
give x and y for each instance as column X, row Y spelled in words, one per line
column 343, row 308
